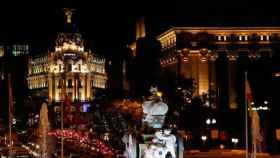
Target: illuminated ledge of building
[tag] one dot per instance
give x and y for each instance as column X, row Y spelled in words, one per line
column 67, row 47
column 277, row 74
column 218, row 30
column 170, row 34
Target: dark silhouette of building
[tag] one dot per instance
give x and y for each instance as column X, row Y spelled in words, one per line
column 144, row 64
column 13, row 61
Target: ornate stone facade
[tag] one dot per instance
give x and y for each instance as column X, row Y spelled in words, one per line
column 69, row 70
column 199, row 47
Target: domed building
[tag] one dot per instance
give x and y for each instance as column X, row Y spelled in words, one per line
column 70, row 70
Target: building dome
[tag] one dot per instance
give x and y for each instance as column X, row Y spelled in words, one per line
column 69, row 42
column 70, row 39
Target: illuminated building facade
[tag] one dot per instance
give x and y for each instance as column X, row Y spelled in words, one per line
column 20, row 49
column 192, row 52
column 13, row 61
column 69, row 70
column 2, row 51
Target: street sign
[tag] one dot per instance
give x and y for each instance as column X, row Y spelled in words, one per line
column 278, row 134
column 214, row 134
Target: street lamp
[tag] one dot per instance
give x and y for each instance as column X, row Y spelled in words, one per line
column 204, row 138
column 208, row 121
column 214, row 121
column 234, row 141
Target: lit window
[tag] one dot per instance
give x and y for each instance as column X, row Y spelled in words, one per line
column 79, row 67
column 69, row 67
column 70, row 84
column 243, row 38
column 264, row 37
column 225, row 38
column 1, row 51
column 18, row 50
column 261, row 37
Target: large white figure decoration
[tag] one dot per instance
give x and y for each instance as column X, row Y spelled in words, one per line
column 130, row 145
column 154, row 109
column 163, row 144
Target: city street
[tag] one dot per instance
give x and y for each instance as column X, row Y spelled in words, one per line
column 105, row 79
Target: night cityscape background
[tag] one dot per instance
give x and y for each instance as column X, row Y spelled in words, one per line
column 102, row 65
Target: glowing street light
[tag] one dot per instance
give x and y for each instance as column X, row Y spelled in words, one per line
column 234, row 141
column 203, row 138
column 214, row 121
column 208, row 121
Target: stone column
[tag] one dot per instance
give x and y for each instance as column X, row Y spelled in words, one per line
column 203, row 72
column 194, row 63
column 56, row 90
column 254, row 55
column 212, row 56
column 88, row 87
column 75, row 87
column 50, row 88
column 185, row 69
column 83, row 90
column 232, row 93
column 72, row 87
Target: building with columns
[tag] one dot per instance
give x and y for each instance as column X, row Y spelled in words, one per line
column 71, row 69
column 193, row 52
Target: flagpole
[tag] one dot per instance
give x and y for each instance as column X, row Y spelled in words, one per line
column 246, row 119
column 10, row 111
column 62, row 116
column 62, row 139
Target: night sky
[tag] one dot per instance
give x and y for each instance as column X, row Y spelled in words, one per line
column 109, row 25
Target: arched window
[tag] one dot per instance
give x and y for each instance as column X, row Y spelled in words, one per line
column 69, row 67
column 60, row 83
column 70, row 83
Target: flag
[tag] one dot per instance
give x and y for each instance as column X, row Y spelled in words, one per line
column 11, row 100
column 255, row 129
column 255, row 120
column 11, row 109
column 249, row 96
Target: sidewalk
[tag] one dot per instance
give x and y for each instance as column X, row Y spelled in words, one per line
column 224, row 154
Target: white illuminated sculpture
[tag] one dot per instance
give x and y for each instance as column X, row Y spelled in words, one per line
column 164, row 143
column 154, row 109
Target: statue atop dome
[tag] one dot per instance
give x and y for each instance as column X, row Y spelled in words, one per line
column 68, row 13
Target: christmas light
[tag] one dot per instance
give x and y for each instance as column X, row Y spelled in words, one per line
column 83, row 140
